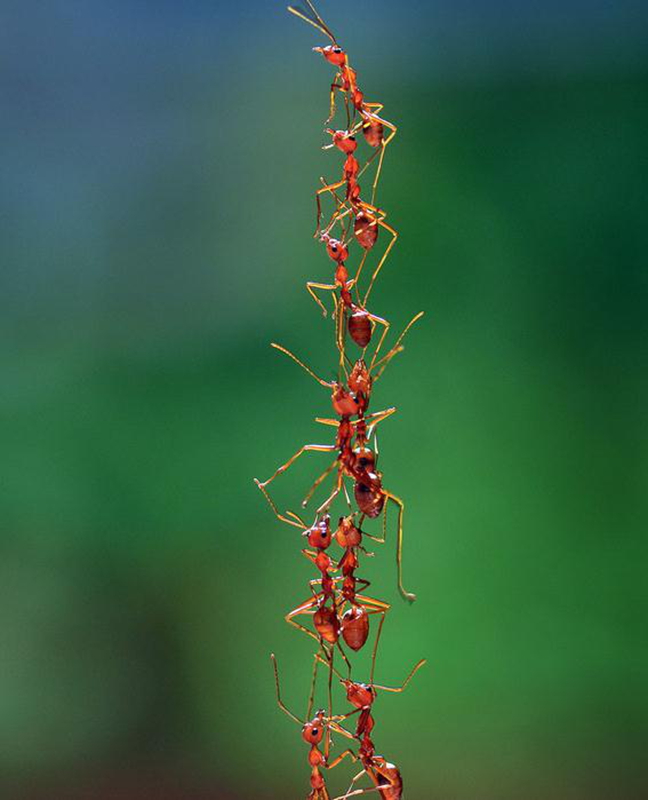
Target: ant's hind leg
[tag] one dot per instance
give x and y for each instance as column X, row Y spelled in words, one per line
column 376, row 272
column 399, row 547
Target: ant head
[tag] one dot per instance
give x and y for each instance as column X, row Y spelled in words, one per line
column 333, row 54
column 344, row 141
column 344, row 403
column 336, row 249
column 320, row 535
column 313, row 730
column 360, row 695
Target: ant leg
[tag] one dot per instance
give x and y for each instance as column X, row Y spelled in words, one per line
column 394, row 235
column 311, row 286
column 319, row 480
column 399, row 547
column 350, row 792
column 305, row 608
column 400, row 688
column 380, row 416
column 317, row 448
column 374, row 652
column 382, row 788
column 386, row 325
column 383, row 146
column 344, row 657
column 371, row 605
column 344, row 754
column 327, row 503
column 397, row 348
column 327, row 187
column 357, row 276
column 282, row 706
column 287, row 352
column 276, row 510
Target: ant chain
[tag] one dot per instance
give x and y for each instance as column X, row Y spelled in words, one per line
column 338, row 616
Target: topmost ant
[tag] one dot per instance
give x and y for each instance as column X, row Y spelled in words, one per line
column 372, row 125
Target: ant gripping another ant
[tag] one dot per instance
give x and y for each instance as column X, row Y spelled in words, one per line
column 354, row 459
column 315, row 729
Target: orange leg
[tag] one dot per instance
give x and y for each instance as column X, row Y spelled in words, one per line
column 307, row 448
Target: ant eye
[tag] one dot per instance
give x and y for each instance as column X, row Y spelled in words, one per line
column 314, row 732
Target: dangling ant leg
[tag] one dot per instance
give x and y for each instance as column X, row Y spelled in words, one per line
column 383, row 258
column 399, row 546
column 397, row 348
column 307, row 448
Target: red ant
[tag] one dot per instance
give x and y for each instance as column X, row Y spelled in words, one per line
column 314, row 730
column 360, row 320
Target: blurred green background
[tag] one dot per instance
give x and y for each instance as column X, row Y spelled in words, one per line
column 159, row 162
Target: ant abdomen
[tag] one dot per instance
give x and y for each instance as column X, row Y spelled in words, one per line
column 360, row 327
column 355, row 627
column 374, row 133
column 327, row 624
column 365, row 230
column 370, row 500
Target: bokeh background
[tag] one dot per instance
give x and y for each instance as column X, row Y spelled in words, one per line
column 158, row 160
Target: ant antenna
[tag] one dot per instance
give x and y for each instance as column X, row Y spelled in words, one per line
column 282, row 706
column 318, row 22
column 301, row 364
